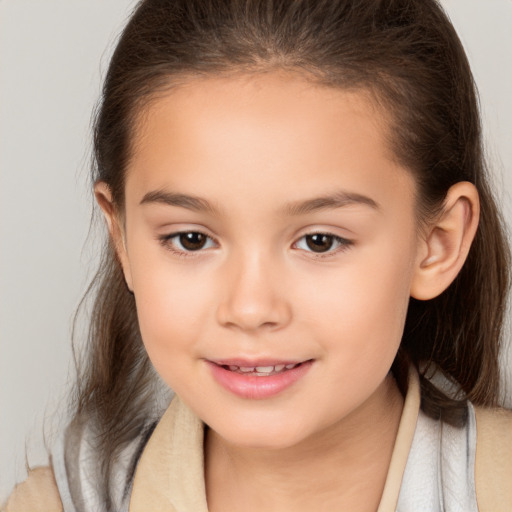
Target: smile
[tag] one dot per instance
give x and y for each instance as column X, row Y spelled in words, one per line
column 258, row 381
column 261, row 371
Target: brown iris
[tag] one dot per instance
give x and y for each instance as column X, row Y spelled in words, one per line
column 319, row 242
column 193, row 241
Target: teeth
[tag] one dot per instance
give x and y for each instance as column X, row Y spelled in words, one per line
column 264, row 369
column 261, row 370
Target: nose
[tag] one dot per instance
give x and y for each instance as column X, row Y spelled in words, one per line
column 253, row 296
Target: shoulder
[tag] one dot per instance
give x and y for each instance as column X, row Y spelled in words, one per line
column 493, row 465
column 38, row 493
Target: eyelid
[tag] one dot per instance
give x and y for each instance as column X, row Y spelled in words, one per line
column 166, row 242
column 343, row 244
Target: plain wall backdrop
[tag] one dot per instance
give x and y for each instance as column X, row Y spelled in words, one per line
column 53, row 54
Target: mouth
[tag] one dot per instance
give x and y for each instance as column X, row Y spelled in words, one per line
column 258, row 379
column 261, row 370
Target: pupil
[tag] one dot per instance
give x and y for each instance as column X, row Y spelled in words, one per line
column 319, row 242
column 192, row 241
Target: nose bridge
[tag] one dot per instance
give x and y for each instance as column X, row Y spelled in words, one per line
column 253, row 297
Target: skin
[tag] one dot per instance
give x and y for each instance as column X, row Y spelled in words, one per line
column 254, row 148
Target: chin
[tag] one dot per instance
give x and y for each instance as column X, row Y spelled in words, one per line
column 259, row 436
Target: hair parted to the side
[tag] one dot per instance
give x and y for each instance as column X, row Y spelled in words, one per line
column 407, row 54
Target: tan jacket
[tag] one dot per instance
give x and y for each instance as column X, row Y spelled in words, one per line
column 176, row 483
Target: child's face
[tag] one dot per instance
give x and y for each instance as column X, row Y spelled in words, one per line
column 301, row 248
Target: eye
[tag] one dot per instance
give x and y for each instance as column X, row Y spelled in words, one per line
column 187, row 241
column 322, row 243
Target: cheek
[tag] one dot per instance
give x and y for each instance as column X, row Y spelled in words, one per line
column 170, row 328
column 166, row 302
column 364, row 304
column 380, row 298
column 171, row 306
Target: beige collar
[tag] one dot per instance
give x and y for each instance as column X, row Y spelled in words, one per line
column 170, row 473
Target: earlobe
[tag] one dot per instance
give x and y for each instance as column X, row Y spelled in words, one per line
column 105, row 201
column 447, row 242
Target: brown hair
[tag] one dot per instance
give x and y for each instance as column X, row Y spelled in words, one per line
column 408, row 55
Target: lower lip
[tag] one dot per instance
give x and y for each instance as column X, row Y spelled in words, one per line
column 255, row 387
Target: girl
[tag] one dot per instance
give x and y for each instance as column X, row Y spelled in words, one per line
column 304, row 248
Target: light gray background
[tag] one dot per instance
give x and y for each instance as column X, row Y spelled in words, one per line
column 52, row 53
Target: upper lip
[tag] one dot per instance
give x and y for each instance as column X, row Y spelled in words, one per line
column 250, row 363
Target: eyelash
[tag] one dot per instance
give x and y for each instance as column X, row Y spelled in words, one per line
column 343, row 244
column 166, row 241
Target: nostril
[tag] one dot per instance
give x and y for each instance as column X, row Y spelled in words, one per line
column 252, row 306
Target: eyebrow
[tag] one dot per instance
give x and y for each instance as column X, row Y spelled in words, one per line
column 336, row 200
column 175, row 199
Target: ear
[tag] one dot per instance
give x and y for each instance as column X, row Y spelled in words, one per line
column 104, row 198
column 446, row 245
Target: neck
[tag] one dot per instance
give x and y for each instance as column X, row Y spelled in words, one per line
column 336, row 467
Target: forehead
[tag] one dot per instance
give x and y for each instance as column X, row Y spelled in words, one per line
column 221, row 134
column 265, row 97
